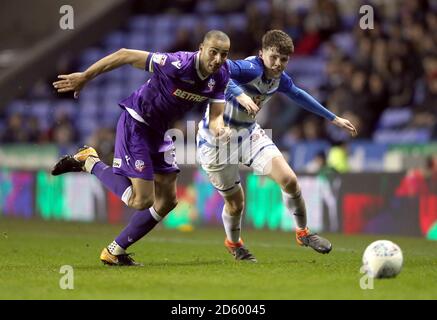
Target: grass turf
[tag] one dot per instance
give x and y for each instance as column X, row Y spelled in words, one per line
column 195, row 265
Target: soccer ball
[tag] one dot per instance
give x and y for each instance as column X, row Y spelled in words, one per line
column 382, row 259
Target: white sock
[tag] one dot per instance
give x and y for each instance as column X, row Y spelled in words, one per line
column 115, row 249
column 155, row 214
column 90, row 162
column 232, row 226
column 296, row 206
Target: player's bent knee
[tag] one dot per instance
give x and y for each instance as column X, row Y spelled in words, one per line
column 141, row 203
column 164, row 207
column 234, row 208
column 289, row 183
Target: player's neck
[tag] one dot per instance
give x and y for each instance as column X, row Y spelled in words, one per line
column 203, row 72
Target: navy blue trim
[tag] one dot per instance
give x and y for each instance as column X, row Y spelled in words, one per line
column 253, row 158
column 149, row 57
column 203, row 141
column 205, row 124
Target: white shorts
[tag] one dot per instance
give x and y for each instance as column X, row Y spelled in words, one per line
column 220, row 161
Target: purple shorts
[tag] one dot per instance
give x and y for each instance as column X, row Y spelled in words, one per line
column 140, row 151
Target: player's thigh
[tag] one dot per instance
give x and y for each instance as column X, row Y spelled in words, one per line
column 132, row 153
column 216, row 155
column 282, row 174
column 225, row 178
column 259, row 151
column 142, row 196
column 165, row 192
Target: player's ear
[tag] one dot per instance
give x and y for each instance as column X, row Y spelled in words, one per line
column 260, row 54
column 201, row 47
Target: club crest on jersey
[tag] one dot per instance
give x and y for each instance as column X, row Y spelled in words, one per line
column 211, row 84
column 159, row 58
column 139, row 165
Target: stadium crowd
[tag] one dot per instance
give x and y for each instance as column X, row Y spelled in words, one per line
column 363, row 73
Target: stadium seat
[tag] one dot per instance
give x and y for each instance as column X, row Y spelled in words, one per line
column 17, row 106
column 394, row 118
column 422, row 135
column 139, row 23
column 302, row 153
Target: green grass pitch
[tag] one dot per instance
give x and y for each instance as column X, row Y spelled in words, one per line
column 195, row 265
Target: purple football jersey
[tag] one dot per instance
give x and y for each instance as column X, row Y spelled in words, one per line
column 175, row 87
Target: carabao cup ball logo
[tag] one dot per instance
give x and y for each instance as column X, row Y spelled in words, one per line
column 139, row 165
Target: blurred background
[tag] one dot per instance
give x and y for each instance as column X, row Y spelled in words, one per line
column 384, row 80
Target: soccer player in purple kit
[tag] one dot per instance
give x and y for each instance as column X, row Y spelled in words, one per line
column 144, row 169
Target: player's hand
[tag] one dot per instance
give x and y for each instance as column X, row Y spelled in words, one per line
column 345, row 124
column 71, row 82
column 248, row 104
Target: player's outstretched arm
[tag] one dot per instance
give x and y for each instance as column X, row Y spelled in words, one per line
column 305, row 100
column 76, row 81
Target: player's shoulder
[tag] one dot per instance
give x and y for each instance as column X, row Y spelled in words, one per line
column 178, row 59
column 285, row 82
column 246, row 69
column 252, row 63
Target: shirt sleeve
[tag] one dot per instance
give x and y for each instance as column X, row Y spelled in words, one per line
column 302, row 98
column 219, row 90
column 168, row 64
column 243, row 71
column 233, row 88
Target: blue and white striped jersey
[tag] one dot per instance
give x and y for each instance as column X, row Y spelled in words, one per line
column 248, row 76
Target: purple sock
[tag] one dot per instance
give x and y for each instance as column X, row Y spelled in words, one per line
column 114, row 182
column 139, row 225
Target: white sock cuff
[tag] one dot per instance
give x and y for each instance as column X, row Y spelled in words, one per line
column 155, row 214
column 126, row 195
column 90, row 162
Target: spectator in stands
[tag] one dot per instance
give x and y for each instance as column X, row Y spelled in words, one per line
column 338, row 157
column 15, row 131
column 63, row 131
column 400, row 84
column 182, row 42
column 103, row 139
column 34, row 131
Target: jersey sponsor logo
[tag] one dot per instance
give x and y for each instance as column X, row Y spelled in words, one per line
column 211, row 84
column 189, row 96
column 116, row 163
column 139, row 165
column 159, row 58
column 177, row 64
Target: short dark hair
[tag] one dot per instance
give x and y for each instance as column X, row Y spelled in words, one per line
column 220, row 35
column 278, row 39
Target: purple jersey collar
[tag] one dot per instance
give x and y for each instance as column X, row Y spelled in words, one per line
column 199, row 74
